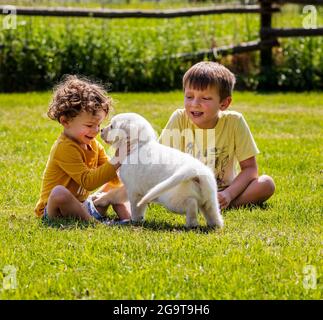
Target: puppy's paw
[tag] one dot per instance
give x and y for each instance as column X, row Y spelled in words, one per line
column 137, row 220
column 220, row 223
column 192, row 225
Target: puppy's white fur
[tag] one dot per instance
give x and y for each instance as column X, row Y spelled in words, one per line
column 177, row 180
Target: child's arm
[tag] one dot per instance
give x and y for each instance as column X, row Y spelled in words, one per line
column 249, row 172
column 70, row 160
column 116, row 162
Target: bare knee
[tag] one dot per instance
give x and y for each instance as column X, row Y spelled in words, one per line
column 267, row 185
column 60, row 195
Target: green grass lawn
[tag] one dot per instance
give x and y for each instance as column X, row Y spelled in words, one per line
column 262, row 253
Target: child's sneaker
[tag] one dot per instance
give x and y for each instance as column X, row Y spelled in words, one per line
column 117, row 222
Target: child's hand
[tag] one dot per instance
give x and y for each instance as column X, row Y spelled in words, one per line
column 224, row 199
column 98, row 199
column 95, row 196
column 120, row 155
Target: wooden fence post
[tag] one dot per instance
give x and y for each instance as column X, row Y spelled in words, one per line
column 266, row 59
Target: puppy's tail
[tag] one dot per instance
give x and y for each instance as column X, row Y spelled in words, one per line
column 184, row 174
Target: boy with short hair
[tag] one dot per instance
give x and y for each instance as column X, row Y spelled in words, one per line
column 219, row 138
column 77, row 163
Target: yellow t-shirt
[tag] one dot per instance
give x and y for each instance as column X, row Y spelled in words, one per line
column 220, row 148
column 75, row 168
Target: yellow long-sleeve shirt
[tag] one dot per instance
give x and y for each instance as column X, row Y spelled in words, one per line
column 75, row 168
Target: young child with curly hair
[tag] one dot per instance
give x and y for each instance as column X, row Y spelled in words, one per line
column 77, row 163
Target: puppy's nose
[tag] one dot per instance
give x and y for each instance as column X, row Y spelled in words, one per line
column 101, row 130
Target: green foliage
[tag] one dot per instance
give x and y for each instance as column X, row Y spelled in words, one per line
column 132, row 54
column 300, row 65
column 262, row 253
column 136, row 54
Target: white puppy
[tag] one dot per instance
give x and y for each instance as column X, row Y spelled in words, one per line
column 152, row 172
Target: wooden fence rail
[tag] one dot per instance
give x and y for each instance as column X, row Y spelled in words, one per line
column 308, row 2
column 296, row 32
column 226, row 50
column 118, row 14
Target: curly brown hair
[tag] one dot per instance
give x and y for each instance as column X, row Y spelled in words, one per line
column 75, row 95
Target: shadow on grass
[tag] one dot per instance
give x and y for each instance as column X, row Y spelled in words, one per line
column 165, row 226
column 263, row 206
column 71, row 223
column 67, row 223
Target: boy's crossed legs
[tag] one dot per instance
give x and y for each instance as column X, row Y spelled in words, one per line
column 258, row 191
